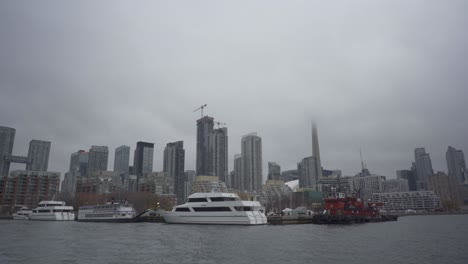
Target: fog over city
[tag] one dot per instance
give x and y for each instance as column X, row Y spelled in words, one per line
column 381, row 76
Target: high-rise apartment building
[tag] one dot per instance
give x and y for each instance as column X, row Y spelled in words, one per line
column 98, row 158
column 122, row 161
column 79, row 162
column 174, row 165
column 204, row 128
column 218, row 154
column 308, row 176
column 456, row 164
column 252, row 171
column 143, row 158
column 274, row 171
column 38, row 155
column 423, row 167
column 238, row 181
column 7, row 139
column 410, row 176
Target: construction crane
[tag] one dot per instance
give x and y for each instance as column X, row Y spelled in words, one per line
column 201, row 107
column 219, row 123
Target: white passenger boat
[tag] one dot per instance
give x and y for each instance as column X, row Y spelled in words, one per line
column 22, row 214
column 52, row 211
column 217, row 208
column 114, row 211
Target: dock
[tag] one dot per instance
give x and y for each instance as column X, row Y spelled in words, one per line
column 324, row 219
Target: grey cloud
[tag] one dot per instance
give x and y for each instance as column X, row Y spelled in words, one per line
column 382, row 76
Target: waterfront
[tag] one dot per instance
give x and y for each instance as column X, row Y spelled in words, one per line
column 412, row 239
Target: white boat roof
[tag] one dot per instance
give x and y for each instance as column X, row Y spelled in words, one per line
column 52, row 202
column 213, row 194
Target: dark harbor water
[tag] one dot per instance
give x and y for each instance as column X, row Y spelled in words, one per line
column 413, row 239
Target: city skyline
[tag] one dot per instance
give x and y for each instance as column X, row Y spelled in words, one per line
column 385, row 87
column 158, row 166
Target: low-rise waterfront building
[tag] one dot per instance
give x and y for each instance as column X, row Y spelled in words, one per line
column 28, row 187
column 414, row 200
column 447, row 189
column 396, row 185
column 365, row 186
column 208, row 184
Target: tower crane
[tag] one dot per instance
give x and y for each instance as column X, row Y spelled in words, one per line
column 220, row 123
column 200, row 108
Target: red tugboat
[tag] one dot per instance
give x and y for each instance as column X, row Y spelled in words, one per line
column 347, row 210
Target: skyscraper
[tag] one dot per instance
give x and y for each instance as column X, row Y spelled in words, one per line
column 308, row 176
column 456, row 164
column 204, row 128
column 7, row 139
column 238, row 181
column 423, row 166
column 174, row 165
column 143, row 158
column 408, row 175
column 274, row 171
column 38, row 155
column 252, row 171
column 122, row 160
column 79, row 162
column 218, row 154
column 98, row 158
column 316, row 151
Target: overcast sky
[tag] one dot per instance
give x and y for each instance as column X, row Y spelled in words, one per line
column 384, row 76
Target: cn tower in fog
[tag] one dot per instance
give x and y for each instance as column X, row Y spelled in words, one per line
column 316, row 151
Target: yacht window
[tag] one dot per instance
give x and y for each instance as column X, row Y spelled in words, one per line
column 44, row 211
column 34, row 211
column 243, row 208
column 182, row 209
column 222, row 199
column 197, row 200
column 212, row 209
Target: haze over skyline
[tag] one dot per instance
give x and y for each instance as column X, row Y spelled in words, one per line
column 385, row 77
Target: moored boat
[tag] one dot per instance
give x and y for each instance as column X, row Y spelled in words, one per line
column 114, row 211
column 217, row 208
column 22, row 214
column 52, row 211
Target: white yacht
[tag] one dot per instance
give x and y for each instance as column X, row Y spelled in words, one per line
column 52, row 211
column 22, row 214
column 217, row 208
column 114, row 211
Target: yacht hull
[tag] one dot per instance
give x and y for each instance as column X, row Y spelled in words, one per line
column 222, row 218
column 52, row 216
